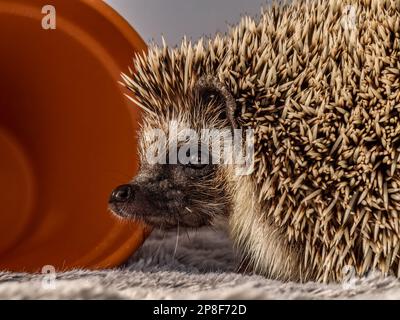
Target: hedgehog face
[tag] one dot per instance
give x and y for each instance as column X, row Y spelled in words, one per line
column 171, row 195
column 170, row 192
column 178, row 183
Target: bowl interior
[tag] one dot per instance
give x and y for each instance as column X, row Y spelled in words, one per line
column 69, row 135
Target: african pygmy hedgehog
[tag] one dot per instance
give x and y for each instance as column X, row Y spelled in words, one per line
column 319, row 83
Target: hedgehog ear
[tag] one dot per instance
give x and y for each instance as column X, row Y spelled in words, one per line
column 209, row 87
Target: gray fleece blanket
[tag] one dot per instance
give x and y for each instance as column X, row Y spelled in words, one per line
column 195, row 265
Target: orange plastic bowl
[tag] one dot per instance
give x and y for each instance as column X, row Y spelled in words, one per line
column 67, row 136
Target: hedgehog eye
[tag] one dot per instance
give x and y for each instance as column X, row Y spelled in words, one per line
column 196, row 166
column 195, row 160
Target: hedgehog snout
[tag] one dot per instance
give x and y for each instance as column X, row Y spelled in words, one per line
column 129, row 201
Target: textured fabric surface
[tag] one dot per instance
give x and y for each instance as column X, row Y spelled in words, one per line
column 195, row 265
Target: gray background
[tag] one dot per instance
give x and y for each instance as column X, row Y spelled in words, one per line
column 175, row 18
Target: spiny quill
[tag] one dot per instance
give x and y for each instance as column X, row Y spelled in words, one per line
column 322, row 93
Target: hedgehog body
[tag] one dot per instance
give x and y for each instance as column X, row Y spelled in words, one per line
column 319, row 83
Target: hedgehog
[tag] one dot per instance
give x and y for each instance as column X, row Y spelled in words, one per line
column 318, row 82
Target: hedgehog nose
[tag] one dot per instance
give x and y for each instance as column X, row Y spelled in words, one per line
column 122, row 193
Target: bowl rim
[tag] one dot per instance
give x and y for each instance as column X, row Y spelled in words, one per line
column 121, row 24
